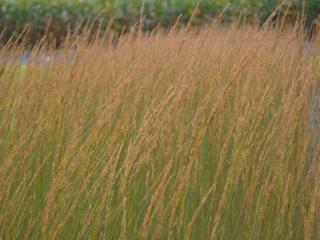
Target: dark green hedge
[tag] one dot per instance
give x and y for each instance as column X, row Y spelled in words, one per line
column 68, row 14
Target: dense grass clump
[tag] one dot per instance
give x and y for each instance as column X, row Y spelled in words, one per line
column 182, row 135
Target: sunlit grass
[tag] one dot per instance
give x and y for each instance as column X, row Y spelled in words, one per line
column 185, row 135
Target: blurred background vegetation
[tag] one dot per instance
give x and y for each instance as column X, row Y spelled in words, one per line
column 65, row 15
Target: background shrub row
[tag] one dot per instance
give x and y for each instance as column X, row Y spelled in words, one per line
column 15, row 15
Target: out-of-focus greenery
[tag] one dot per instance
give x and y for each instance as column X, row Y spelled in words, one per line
column 15, row 15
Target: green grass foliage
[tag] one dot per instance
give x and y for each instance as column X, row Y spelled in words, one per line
column 65, row 15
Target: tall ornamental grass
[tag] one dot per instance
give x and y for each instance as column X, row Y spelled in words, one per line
column 191, row 134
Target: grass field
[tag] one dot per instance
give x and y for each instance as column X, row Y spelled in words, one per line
column 191, row 134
